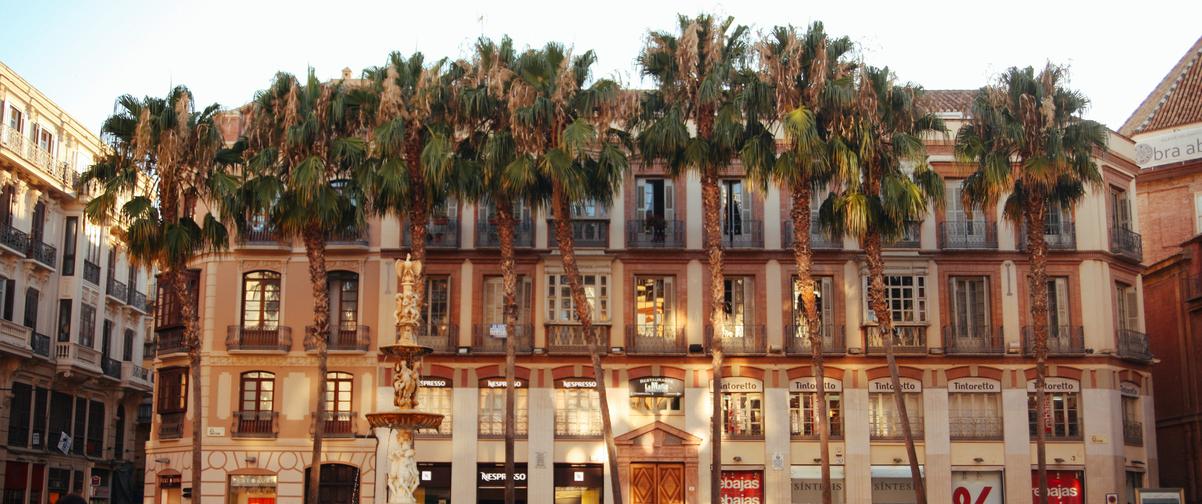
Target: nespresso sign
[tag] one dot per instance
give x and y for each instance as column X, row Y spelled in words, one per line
column 435, row 382
column 577, row 383
column 973, row 385
column 740, row 384
column 500, row 383
column 886, row 385
column 656, row 386
column 807, row 384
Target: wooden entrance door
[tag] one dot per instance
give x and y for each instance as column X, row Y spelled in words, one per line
column 657, row 483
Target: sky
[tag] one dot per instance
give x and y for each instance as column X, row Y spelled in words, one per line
column 84, row 54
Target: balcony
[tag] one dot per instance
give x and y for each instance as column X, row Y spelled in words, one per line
column 442, row 338
column 135, row 376
column 43, row 253
column 348, row 238
column 441, row 233
column 652, row 339
column 171, row 341
column 570, row 338
column 911, row 237
column 742, row 234
column 738, row 339
column 69, row 354
column 797, row 340
column 1126, row 243
column 255, row 424
column 171, row 425
column 1063, row 341
column 59, row 172
column 907, row 340
column 975, row 427
column 356, row 339
column 889, row 427
column 16, row 338
column 41, row 345
column 1133, row 433
column 262, row 235
column 1134, row 345
column 15, row 240
column 818, row 239
column 261, row 339
column 110, row 368
column 490, row 338
column 91, row 272
column 339, row 424
column 1058, row 236
column 973, row 340
column 137, row 301
column 116, row 291
column 586, row 233
column 966, row 234
column 145, row 413
column 654, row 234
column 488, row 234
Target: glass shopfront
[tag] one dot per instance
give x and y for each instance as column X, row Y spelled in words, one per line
column 490, row 483
column 893, row 485
column 978, row 487
column 806, row 484
column 252, row 489
column 1064, row 487
column 579, row 484
column 434, row 485
column 742, row 486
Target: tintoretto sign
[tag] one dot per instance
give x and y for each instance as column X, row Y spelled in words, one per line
column 973, row 385
column 1177, row 146
column 886, row 385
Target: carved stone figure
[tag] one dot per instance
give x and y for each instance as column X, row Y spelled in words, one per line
column 408, row 310
column 404, row 385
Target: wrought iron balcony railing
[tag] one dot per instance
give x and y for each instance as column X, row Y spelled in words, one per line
column 275, row 339
column 116, row 290
column 41, row 344
column 1134, row 345
column 255, row 424
column 43, row 253
column 797, row 339
column 1062, row 341
column 441, row 233
column 59, row 171
column 339, row 424
column 1126, row 243
column 488, row 234
column 350, row 339
column 742, row 234
column 443, row 338
column 654, row 234
column 262, row 235
column 818, row 239
column 973, row 339
column 654, row 339
column 1133, row 433
column 490, row 338
column 969, row 234
column 974, row 427
column 571, row 339
column 15, row 240
column 888, row 427
column 357, row 237
column 171, row 341
column 91, row 272
column 907, row 339
column 110, row 367
column 747, row 339
column 586, row 233
column 1058, row 236
column 138, row 301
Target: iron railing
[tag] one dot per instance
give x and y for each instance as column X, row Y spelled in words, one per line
column 586, row 233
column 262, row 235
column 1126, row 243
column 882, row 426
column 488, row 234
column 277, row 339
column 441, row 233
column 975, row 427
column 339, row 424
column 818, row 239
column 654, row 339
column 742, row 234
column 91, row 272
column 443, row 338
column 356, row 339
column 138, row 301
column 255, row 424
column 348, row 237
column 490, row 338
column 747, row 339
column 962, row 234
column 1133, row 433
column 797, row 339
column 171, row 341
column 1059, row 236
column 60, row 171
column 1134, row 345
column 654, row 233
column 40, row 344
column 111, row 367
column 43, row 252
column 171, row 425
column 973, row 339
column 1062, row 341
column 15, row 239
column 911, row 237
column 907, row 339
column 570, row 338
column 116, row 290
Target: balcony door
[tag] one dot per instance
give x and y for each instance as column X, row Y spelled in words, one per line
column 959, row 222
column 1058, row 311
column 654, row 307
column 737, row 299
column 970, row 308
column 261, row 303
column 37, row 229
column 736, row 209
column 342, row 287
column 823, row 299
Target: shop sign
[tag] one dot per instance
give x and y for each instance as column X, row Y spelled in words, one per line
column 497, row 330
column 806, row 384
column 741, row 384
column 578, row 383
column 500, row 383
column 886, row 385
column 1129, row 389
column 1056, row 384
column 806, row 485
column 977, row 487
column 973, row 385
column 1165, row 148
column 892, row 484
column 491, row 477
column 253, row 481
column 1064, row 487
column 1159, row 495
column 656, row 386
column 434, row 382
column 742, row 487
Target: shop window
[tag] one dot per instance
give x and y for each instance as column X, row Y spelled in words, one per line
column 742, row 408
column 975, row 415
column 579, row 484
column 435, row 396
column 806, row 484
column 885, row 419
column 1063, row 420
column 339, row 484
column 742, row 486
column 492, row 408
column 490, row 483
column 253, row 488
column 985, row 487
column 803, row 414
column 656, row 395
column 893, row 483
column 577, row 408
column 434, row 481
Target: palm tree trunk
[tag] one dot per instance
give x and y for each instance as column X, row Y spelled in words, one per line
column 419, row 212
column 1036, row 215
column 315, row 250
column 509, row 282
column 803, row 255
column 178, row 279
column 876, row 272
column 567, row 252
column 711, row 201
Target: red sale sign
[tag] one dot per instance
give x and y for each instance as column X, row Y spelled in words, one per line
column 742, row 487
column 976, row 487
column 1064, row 487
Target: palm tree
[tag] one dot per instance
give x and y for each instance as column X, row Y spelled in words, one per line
column 563, row 132
column 486, row 174
column 1030, row 146
column 697, row 73
column 806, row 81
column 304, row 157
column 887, row 186
column 163, row 158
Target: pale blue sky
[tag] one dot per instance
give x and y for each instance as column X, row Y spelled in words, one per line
column 83, row 54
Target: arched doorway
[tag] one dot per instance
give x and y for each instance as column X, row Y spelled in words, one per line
column 339, row 484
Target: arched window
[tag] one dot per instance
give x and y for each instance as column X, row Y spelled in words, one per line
column 339, row 417
column 261, row 301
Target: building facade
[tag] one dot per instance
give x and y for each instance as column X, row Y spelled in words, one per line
column 956, row 284
column 74, row 318
column 1167, row 128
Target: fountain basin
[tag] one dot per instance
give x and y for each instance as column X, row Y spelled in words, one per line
column 404, row 352
column 405, row 419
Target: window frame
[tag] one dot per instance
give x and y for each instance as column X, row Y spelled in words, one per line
column 920, row 303
column 597, row 291
column 256, row 381
column 803, row 414
column 264, row 281
column 1071, row 401
column 577, row 412
column 490, row 424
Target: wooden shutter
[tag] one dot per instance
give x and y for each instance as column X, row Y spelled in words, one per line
column 640, row 200
column 1197, row 213
column 669, row 200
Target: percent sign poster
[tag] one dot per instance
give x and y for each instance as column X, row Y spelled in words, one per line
column 977, row 487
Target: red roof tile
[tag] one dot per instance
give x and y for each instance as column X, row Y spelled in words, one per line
column 1175, row 101
column 948, row 100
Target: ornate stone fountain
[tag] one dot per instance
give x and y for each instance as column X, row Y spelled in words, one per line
column 406, row 358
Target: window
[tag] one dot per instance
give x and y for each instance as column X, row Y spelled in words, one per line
column 106, row 338
column 96, row 421
column 40, row 400
column 1133, row 425
column 1134, row 480
column 577, row 408
column 905, row 298
column 435, row 396
column 70, row 230
column 173, row 390
column 7, row 199
column 338, row 392
column 37, row 226
column 654, row 315
column 87, row 325
column 343, row 289
column 737, row 297
column 127, row 350
column 494, row 300
column 64, row 320
column 656, row 395
column 559, row 297
column 16, row 119
column 492, row 409
column 1128, row 307
column 885, row 420
column 970, row 306
column 92, row 232
column 823, row 298
column 261, row 300
column 1058, row 307
column 62, row 422
column 1198, row 213
column 79, row 426
column 8, row 290
column 963, row 223
column 436, row 312
column 736, row 208
column 32, row 297
column 974, row 415
column 45, row 139
column 1062, row 421
column 803, row 414
column 655, row 200
column 258, row 391
column 742, row 408
column 1120, row 209
column 589, row 210
column 18, row 419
